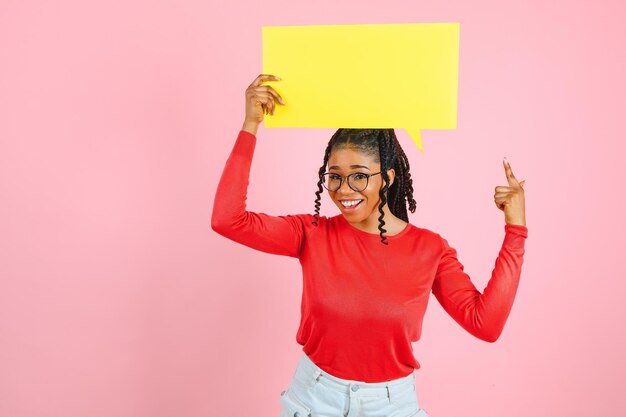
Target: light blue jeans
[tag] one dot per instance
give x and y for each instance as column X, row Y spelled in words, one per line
column 315, row 393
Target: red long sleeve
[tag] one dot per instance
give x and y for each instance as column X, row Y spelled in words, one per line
column 363, row 302
column 280, row 235
column 483, row 315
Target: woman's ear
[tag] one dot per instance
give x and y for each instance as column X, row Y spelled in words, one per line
column 391, row 173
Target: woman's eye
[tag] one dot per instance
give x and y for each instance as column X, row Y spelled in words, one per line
column 360, row 176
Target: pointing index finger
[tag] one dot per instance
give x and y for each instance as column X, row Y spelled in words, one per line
column 509, row 172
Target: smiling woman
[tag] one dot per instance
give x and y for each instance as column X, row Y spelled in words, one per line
column 363, row 302
column 369, row 202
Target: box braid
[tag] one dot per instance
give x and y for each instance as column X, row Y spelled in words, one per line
column 382, row 146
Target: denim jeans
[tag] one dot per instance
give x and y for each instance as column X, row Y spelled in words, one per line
column 315, row 393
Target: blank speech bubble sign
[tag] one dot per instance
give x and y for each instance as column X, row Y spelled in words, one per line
column 373, row 76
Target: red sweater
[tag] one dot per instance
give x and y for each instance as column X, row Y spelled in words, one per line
column 363, row 302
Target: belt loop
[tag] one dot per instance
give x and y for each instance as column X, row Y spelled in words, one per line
column 388, row 393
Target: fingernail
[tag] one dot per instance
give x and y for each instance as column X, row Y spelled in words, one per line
column 505, row 160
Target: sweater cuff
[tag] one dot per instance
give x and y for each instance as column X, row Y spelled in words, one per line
column 246, row 133
column 517, row 229
column 245, row 144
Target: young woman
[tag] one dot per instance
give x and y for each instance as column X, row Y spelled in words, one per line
column 367, row 272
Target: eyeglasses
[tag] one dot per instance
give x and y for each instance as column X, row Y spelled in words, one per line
column 357, row 181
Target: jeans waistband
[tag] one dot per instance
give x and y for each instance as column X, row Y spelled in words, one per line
column 309, row 373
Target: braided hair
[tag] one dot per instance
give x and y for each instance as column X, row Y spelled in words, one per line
column 383, row 147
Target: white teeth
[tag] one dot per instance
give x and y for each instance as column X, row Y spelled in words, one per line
column 350, row 203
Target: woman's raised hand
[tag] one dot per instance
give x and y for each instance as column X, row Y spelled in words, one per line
column 260, row 99
column 511, row 199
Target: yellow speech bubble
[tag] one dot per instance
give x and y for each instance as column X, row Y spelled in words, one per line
column 364, row 76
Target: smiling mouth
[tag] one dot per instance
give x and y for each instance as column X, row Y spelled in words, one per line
column 350, row 204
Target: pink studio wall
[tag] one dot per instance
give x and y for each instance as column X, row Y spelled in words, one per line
column 117, row 298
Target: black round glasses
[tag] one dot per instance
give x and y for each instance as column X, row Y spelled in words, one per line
column 357, row 181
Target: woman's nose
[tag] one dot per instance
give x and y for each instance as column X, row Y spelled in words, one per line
column 345, row 188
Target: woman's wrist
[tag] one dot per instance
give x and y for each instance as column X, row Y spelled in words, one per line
column 250, row 127
column 517, row 223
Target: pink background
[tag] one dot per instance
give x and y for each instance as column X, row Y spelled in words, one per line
column 116, row 119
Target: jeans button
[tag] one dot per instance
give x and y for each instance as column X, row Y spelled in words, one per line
column 355, row 387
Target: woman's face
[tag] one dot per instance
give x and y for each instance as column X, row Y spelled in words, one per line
column 348, row 161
